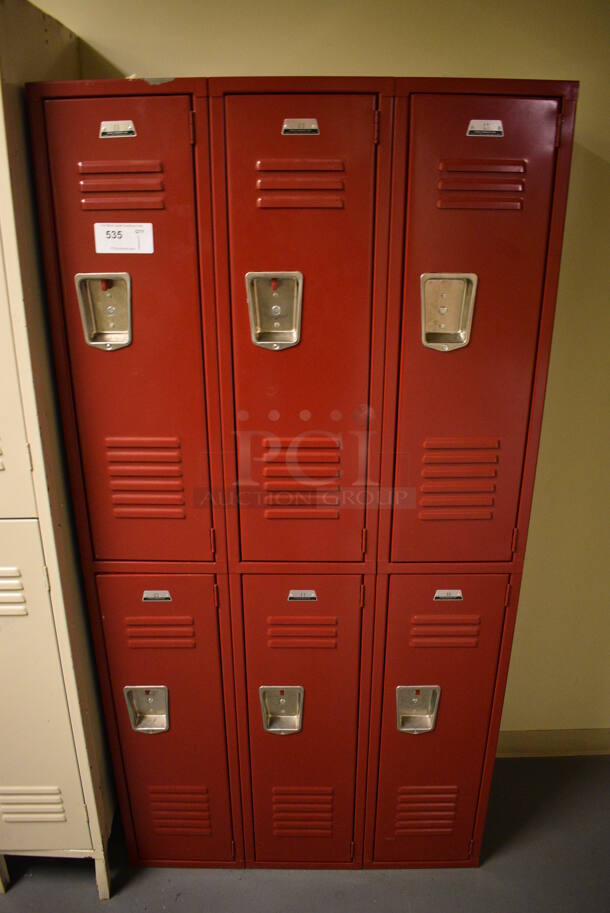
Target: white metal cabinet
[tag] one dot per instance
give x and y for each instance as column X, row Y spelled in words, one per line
column 55, row 789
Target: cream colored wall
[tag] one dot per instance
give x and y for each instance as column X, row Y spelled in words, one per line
column 559, row 677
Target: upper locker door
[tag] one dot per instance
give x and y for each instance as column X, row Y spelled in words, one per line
column 140, row 408
column 477, row 205
column 301, row 204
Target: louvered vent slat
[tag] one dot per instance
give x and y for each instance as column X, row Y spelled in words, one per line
column 160, row 632
column 31, row 804
column 146, row 477
column 423, row 810
column 462, row 468
column 481, row 184
column 294, row 188
column 12, row 592
column 302, row 811
column 135, row 184
column 300, row 478
column 317, row 632
column 181, row 811
column 444, row 630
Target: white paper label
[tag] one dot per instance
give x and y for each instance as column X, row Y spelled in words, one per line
column 114, row 129
column 485, row 128
column 156, row 596
column 123, row 237
column 302, row 596
column 448, row 595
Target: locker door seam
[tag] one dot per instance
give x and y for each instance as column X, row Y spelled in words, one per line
column 492, row 701
column 204, row 387
column 217, row 606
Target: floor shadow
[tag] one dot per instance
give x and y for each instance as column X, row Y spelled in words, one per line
column 526, row 791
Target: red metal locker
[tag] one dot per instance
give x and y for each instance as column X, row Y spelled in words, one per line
column 162, row 631
column 140, row 408
column 479, row 192
column 303, row 204
column 442, row 631
column 303, row 631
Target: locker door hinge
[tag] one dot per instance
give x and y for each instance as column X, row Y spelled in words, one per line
column 213, row 541
column 515, row 540
column 376, row 126
column 363, row 542
column 362, row 594
column 351, row 850
column 470, row 847
column 29, row 450
column 191, row 127
column 507, row 594
column 232, row 849
column 46, row 577
column 216, row 596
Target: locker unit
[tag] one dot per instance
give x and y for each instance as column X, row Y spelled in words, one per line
column 302, row 330
column 302, row 633
column 476, row 205
column 162, row 635
column 301, row 205
column 447, row 644
column 143, row 442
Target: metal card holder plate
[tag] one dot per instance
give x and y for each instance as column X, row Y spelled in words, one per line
column 300, row 126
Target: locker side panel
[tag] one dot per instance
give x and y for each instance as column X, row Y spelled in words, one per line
column 477, row 205
column 303, row 782
column 41, row 798
column 140, row 409
column 176, row 779
column 16, row 490
column 304, row 204
column 429, row 781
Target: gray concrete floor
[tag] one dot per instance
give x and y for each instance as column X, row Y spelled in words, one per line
column 547, row 850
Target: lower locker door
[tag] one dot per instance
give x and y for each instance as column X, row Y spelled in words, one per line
column 41, row 797
column 442, row 631
column 303, row 780
column 177, row 779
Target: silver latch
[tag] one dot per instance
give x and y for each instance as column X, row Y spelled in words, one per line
column 282, row 708
column 148, row 707
column 274, row 306
column 447, row 305
column 104, row 300
column 416, row 708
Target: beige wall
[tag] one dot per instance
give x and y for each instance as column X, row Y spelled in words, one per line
column 559, row 676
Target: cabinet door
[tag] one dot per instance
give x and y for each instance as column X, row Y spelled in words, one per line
column 16, row 490
column 41, row 800
column 302, row 204
column 443, row 632
column 476, row 205
column 140, row 408
column 303, row 781
column 162, row 632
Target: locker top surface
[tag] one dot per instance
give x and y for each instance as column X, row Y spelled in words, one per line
column 229, row 85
